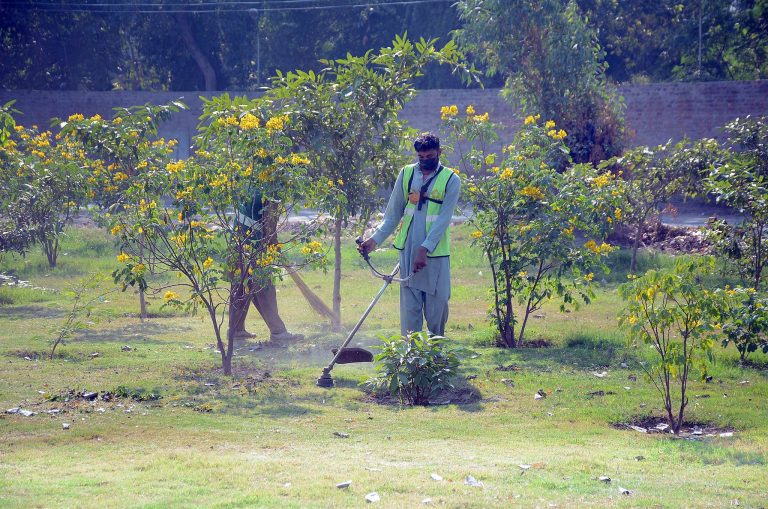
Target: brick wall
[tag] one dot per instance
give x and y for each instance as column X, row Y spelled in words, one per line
column 654, row 113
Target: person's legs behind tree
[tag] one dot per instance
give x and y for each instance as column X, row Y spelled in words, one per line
column 239, row 303
column 265, row 301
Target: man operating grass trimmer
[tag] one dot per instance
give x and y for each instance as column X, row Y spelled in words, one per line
column 420, row 208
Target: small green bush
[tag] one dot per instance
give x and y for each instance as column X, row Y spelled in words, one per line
column 416, row 368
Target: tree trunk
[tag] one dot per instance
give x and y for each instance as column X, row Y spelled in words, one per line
column 508, row 336
column 758, row 270
column 209, row 73
column 635, row 247
column 51, row 250
column 336, row 321
column 142, row 297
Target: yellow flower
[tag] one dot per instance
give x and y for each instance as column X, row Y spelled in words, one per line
column 601, row 249
column 249, row 121
column 589, row 277
column 96, row 117
column 296, row 159
column 632, row 319
column 277, row 123
column 556, row 135
column 117, row 120
column 264, row 175
column 470, row 110
column 508, row 173
column 568, row 230
column 116, row 229
column 601, row 180
column 122, row 258
column 220, row 180
column 175, row 167
column 179, row 239
column 120, row 176
column 522, row 273
column 549, row 124
column 532, row 192
column 481, row 118
column 169, row 295
column 138, row 268
column 207, row 263
column 75, row 117
column 476, row 234
column 529, row 120
column 313, row 247
column 231, row 120
column 447, row 112
column 617, row 213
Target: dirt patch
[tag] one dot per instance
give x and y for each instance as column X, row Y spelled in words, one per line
column 464, row 394
column 537, row 343
column 509, row 367
column 665, row 238
column 27, row 355
column 652, row 425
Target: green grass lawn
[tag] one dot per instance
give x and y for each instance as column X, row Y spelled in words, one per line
column 268, row 437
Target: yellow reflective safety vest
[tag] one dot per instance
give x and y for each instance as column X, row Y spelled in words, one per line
column 433, row 201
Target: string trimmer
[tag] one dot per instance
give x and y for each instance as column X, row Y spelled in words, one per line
column 344, row 355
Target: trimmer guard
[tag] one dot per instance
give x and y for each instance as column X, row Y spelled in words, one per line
column 350, row 355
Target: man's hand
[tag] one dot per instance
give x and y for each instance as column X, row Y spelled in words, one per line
column 421, row 259
column 367, row 246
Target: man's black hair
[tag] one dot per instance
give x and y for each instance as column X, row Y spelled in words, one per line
column 426, row 141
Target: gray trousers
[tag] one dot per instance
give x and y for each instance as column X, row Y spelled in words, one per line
column 416, row 305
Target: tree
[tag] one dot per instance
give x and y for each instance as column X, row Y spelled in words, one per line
column 681, row 39
column 672, row 313
column 650, row 176
column 15, row 236
column 553, row 66
column 45, row 185
column 526, row 214
column 741, row 181
column 744, row 321
column 119, row 152
column 241, row 149
column 346, row 119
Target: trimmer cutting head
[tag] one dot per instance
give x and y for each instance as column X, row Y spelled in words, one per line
column 346, row 356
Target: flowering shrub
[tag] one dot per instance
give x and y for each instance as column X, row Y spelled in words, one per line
column 526, row 216
column 43, row 185
column 122, row 156
column 670, row 312
column 180, row 213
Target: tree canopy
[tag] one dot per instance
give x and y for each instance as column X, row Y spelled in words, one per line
column 196, row 45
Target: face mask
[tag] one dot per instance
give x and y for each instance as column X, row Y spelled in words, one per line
column 428, row 164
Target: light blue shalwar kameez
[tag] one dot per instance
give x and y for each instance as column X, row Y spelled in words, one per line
column 427, row 293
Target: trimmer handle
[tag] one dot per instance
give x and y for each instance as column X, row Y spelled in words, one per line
column 359, row 242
